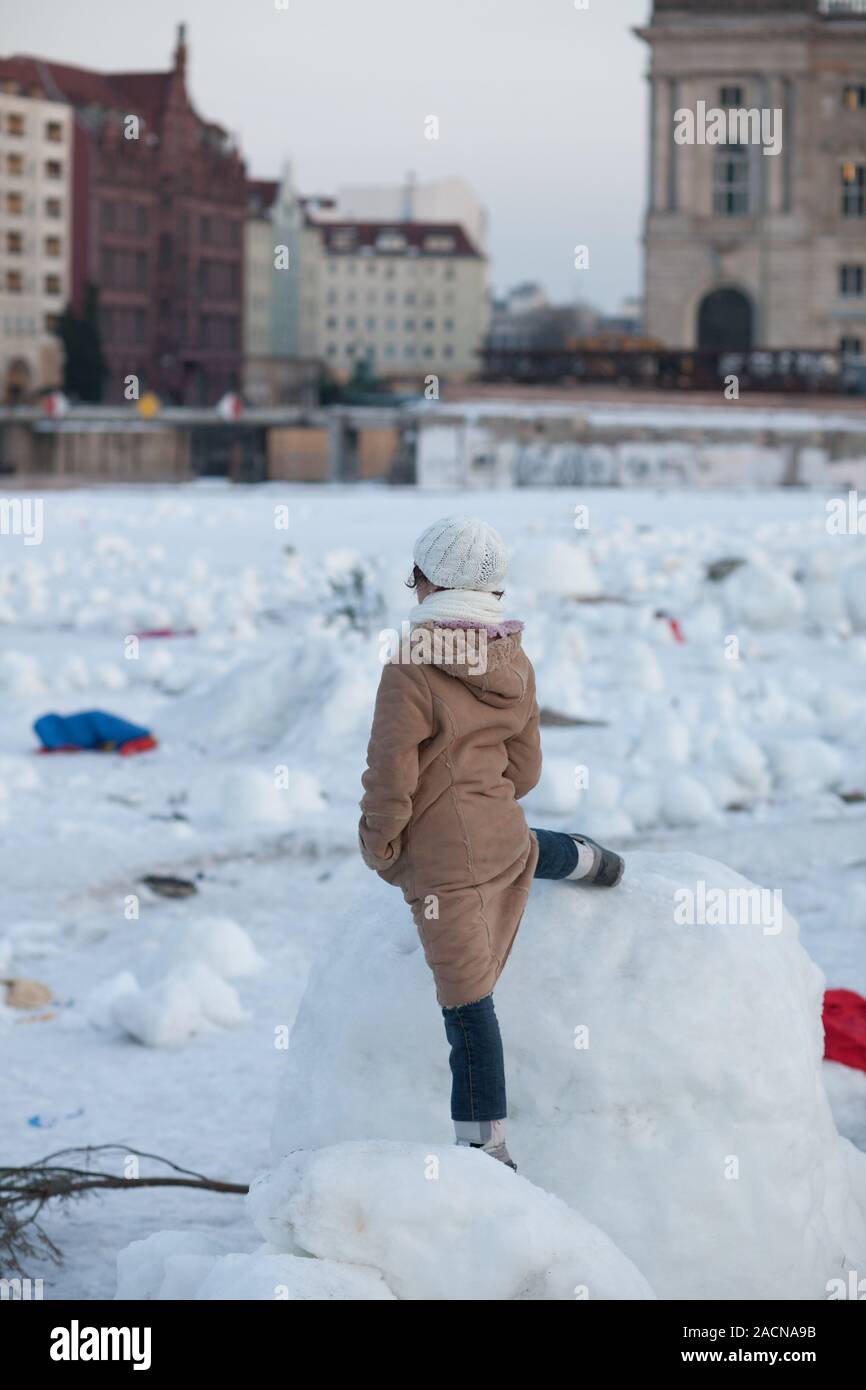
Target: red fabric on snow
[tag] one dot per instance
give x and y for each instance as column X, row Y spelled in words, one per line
column 845, row 1028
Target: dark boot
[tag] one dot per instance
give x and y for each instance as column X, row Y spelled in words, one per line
column 606, row 869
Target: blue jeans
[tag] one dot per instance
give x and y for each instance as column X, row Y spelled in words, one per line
column 477, row 1063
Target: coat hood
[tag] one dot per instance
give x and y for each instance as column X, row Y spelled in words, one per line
column 496, row 670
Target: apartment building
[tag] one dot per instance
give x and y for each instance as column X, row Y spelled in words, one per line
column 409, row 299
column 35, row 240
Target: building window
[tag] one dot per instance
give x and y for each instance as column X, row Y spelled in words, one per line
column 730, row 98
column 851, row 281
column 390, row 297
column 52, row 284
column 331, row 349
column 14, row 164
column 14, row 243
column 53, row 169
column 106, row 216
column 853, row 189
column 851, row 347
column 430, row 325
column 51, row 321
column 331, row 322
column 409, row 298
column 389, row 349
column 14, row 203
column 371, row 325
column 854, row 97
column 14, row 282
column 349, row 324
column 141, row 219
column 448, row 350
column 448, row 325
column 409, row 325
column 731, row 181
column 15, row 124
column 438, row 242
column 428, row 351
column 52, row 246
column 409, row 350
column 52, row 207
column 54, row 132
column 331, row 297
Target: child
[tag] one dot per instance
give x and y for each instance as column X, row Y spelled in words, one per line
column 454, row 745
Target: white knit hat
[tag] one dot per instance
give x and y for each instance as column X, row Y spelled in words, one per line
column 459, row 552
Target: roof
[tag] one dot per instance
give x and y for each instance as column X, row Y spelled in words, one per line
column 142, row 93
column 261, row 193
column 425, row 238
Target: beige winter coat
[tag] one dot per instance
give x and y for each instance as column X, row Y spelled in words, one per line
column 450, row 752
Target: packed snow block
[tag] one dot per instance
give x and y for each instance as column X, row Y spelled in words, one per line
column 185, row 1265
column 664, row 1078
column 439, row 1223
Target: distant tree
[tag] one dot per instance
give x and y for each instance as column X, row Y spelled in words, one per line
column 84, row 370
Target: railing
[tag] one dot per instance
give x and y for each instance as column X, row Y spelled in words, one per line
column 785, row 370
column 830, row 9
column 714, row 8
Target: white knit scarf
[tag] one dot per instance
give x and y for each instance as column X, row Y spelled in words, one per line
column 459, row 605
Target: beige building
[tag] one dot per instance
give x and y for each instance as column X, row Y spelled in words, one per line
column 409, row 298
column 745, row 248
column 35, row 241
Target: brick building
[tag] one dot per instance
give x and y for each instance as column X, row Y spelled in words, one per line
column 157, row 218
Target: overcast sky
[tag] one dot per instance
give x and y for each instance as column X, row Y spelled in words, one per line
column 542, row 106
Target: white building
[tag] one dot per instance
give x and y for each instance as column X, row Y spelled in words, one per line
column 409, row 298
column 35, row 240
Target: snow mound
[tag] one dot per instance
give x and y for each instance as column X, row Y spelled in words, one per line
column 174, row 1265
column 378, row 1220
column 763, row 597
column 665, row 1080
column 190, row 999
column 439, row 1223
column 555, row 567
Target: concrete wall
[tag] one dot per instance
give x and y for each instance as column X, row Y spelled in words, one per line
column 478, row 456
column 120, row 455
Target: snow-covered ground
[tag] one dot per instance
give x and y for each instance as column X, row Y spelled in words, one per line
column 744, row 743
